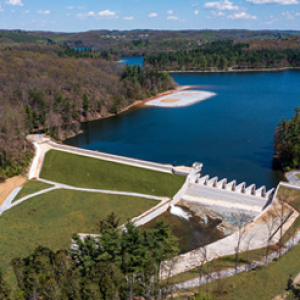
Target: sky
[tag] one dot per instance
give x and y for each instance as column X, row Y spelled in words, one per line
column 80, row 15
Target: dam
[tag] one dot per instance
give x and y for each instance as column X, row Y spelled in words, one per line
column 223, row 196
column 212, row 193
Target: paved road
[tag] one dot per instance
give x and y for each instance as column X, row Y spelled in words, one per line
column 11, row 205
column 292, row 177
column 8, row 202
column 9, row 199
column 100, row 191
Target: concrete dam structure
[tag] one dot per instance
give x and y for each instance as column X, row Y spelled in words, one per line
column 221, row 195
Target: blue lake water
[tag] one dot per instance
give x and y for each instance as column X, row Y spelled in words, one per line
column 132, row 60
column 232, row 133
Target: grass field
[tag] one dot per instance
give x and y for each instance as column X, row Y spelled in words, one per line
column 88, row 172
column 264, row 283
column 31, row 187
column 51, row 219
column 291, row 196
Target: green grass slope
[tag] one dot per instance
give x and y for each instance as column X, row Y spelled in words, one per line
column 88, row 172
column 264, row 283
column 32, row 187
column 51, row 219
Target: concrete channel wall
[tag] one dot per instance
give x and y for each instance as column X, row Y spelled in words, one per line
column 141, row 220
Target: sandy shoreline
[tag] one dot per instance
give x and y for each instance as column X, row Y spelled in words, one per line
column 180, row 98
column 166, row 93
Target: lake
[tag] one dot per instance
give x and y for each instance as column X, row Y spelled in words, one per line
column 231, row 133
column 132, row 60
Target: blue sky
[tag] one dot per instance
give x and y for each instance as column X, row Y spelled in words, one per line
column 79, row 15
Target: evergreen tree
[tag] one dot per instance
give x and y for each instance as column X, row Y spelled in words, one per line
column 5, row 292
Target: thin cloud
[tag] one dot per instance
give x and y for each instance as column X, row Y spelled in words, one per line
column 290, row 15
column 221, row 5
column 44, row 12
column 14, row 2
column 170, row 12
column 107, row 14
column 91, row 14
column 242, row 16
column 128, row 18
column 152, row 15
column 74, row 7
column 172, row 18
column 196, row 12
column 217, row 13
column 276, row 2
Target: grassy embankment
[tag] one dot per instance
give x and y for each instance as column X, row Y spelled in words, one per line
column 88, row 172
column 32, row 187
column 263, row 283
column 51, row 219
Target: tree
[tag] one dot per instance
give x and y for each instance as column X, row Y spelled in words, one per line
column 85, row 104
column 121, row 263
column 5, row 292
column 240, row 220
column 269, row 220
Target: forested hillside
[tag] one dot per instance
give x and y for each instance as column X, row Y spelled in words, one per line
column 49, row 88
column 221, row 55
column 121, row 265
column 287, row 142
column 146, row 42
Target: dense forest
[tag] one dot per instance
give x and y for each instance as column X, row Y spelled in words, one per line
column 53, row 88
column 137, row 41
column 120, row 265
column 287, row 142
column 222, row 55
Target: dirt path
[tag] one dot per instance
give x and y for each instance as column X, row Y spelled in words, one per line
column 9, row 185
column 297, row 279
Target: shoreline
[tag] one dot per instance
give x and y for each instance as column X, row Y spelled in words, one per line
column 167, row 93
column 235, row 70
column 177, row 99
column 136, row 103
column 142, row 103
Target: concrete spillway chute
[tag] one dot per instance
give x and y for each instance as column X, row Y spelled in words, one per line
column 212, row 182
column 261, row 192
column 251, row 190
column 241, row 188
column 270, row 193
column 221, row 184
column 203, row 180
column 231, row 185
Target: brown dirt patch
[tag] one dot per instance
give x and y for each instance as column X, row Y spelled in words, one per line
column 170, row 100
column 9, row 185
column 190, row 94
